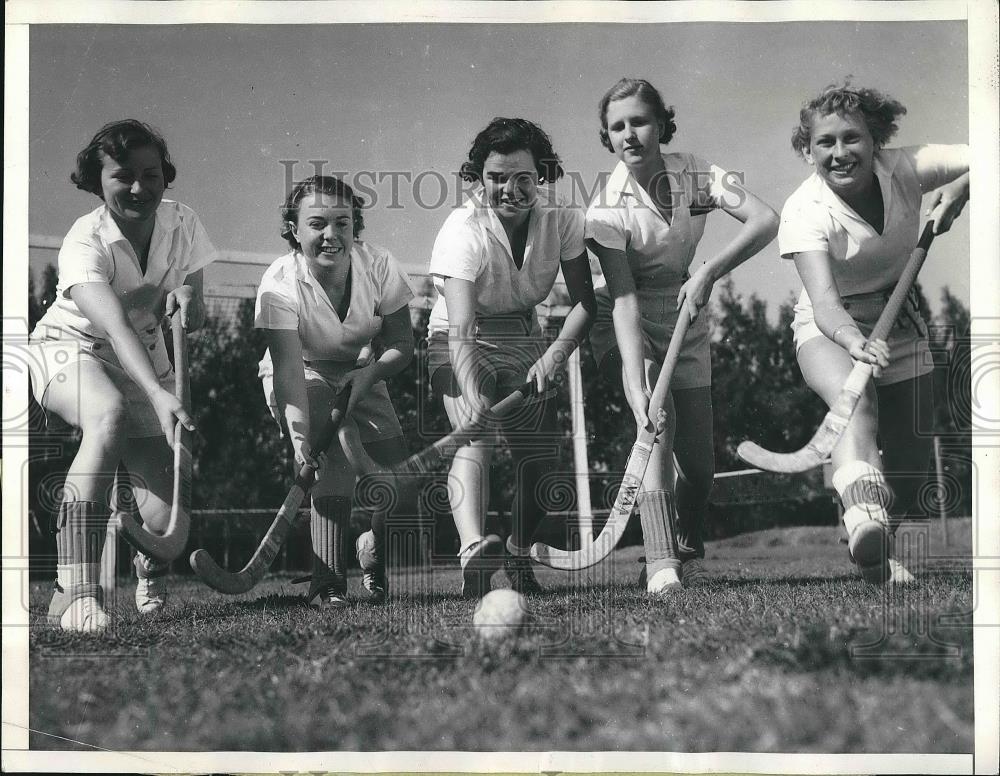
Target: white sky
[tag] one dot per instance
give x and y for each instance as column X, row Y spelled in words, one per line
column 235, row 101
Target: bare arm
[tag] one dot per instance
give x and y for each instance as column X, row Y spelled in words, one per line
column 947, row 202
column 290, row 389
column 460, row 296
column 103, row 308
column 760, row 225
column 830, row 316
column 397, row 341
column 191, row 301
column 580, row 285
column 628, row 328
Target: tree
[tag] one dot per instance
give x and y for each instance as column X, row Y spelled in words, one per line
column 757, row 389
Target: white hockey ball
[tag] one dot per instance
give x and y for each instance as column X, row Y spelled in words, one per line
column 500, row 614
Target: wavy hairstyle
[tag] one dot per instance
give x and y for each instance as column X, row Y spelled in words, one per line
column 645, row 91
column 878, row 110
column 505, row 136
column 115, row 140
column 319, row 184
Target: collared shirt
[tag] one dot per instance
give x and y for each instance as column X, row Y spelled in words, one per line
column 95, row 250
column 290, row 298
column 472, row 245
column 814, row 218
column 623, row 217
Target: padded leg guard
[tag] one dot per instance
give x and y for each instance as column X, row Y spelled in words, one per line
column 866, row 498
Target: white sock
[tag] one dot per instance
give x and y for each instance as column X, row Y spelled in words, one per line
column 864, row 494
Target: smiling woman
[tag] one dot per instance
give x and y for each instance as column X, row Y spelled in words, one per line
column 850, row 228
column 321, row 307
column 494, row 259
column 120, row 268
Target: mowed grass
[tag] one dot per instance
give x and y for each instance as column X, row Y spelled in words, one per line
column 787, row 651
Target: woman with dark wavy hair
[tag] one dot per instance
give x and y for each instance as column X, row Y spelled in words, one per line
column 850, row 228
column 493, row 261
column 644, row 228
column 321, row 306
column 121, row 268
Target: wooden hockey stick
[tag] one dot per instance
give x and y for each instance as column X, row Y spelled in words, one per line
column 431, row 456
column 635, row 469
column 234, row 583
column 832, row 428
column 170, row 544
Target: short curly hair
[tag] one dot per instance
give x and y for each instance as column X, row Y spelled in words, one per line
column 878, row 110
column 319, row 184
column 116, row 140
column 645, row 91
column 505, row 136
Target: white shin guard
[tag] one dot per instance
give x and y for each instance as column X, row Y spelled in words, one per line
column 866, row 498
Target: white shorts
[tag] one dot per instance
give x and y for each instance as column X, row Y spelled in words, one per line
column 57, row 355
column 909, row 356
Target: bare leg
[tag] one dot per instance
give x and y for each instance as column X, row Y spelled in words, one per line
column 858, row 471
column 86, row 398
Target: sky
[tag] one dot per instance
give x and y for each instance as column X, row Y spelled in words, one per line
column 244, row 108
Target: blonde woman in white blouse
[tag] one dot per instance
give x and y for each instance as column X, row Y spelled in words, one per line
column 850, row 228
column 644, row 227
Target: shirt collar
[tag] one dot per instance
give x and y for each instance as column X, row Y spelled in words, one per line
column 622, row 185
column 488, row 217
column 167, row 219
column 823, row 194
column 302, row 273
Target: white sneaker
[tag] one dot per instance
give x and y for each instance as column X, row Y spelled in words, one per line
column 664, row 581
column 694, row 573
column 899, row 574
column 331, row 598
column 151, row 585
column 84, row 615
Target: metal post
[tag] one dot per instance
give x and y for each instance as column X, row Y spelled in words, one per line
column 941, row 490
column 580, row 464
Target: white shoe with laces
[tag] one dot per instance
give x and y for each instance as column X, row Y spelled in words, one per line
column 84, row 615
column 151, row 584
column 664, row 581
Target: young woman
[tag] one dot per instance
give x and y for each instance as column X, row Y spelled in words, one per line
column 850, row 228
column 644, row 228
column 321, row 306
column 121, row 268
column 493, row 261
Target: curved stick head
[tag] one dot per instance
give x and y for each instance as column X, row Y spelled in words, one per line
column 217, row 578
column 803, row 460
column 585, row 557
column 163, row 548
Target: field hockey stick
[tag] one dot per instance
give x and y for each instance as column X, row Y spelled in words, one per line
column 635, row 469
column 234, row 583
column 170, row 544
column 431, row 456
column 818, row 449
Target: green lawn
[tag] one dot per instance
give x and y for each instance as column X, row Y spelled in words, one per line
column 788, row 651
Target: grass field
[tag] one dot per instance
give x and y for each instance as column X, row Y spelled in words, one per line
column 788, row 651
